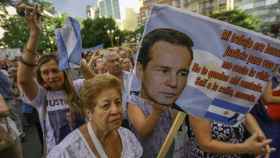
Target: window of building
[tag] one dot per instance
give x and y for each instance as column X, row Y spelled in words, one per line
column 246, row 6
column 259, row 4
column 270, row 2
column 223, row 1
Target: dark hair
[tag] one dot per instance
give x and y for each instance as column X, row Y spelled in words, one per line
column 71, row 97
column 162, row 34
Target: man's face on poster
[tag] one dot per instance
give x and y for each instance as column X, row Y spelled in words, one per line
column 165, row 75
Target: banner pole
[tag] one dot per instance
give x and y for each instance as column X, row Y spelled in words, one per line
column 179, row 120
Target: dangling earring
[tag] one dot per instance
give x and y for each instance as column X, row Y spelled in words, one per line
column 88, row 115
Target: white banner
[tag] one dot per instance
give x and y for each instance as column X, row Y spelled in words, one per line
column 225, row 67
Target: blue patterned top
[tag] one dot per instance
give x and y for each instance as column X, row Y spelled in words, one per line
column 220, row 132
column 151, row 145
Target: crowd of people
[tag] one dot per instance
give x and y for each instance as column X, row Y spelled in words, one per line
column 99, row 115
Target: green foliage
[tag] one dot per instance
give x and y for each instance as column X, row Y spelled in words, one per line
column 16, row 33
column 133, row 36
column 139, row 32
column 239, row 18
column 128, row 35
column 47, row 38
column 16, row 29
column 95, row 31
column 4, row 2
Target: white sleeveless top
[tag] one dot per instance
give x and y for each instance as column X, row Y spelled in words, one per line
column 75, row 146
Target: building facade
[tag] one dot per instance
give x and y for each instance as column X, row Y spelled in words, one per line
column 92, row 11
column 267, row 10
column 146, row 6
column 109, row 8
column 205, row 7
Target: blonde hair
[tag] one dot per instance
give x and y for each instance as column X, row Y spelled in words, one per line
column 93, row 87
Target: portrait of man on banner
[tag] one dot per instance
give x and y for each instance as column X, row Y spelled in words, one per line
column 164, row 60
column 162, row 70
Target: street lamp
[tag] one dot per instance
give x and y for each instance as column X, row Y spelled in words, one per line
column 110, row 33
column 117, row 38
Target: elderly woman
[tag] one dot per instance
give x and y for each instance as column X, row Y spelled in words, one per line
column 103, row 135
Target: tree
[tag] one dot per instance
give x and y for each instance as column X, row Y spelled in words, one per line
column 99, row 30
column 133, row 36
column 16, row 29
column 5, row 2
column 239, row 18
column 139, row 32
column 16, row 33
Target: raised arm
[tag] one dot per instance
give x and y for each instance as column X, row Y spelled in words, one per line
column 26, row 75
column 86, row 71
column 208, row 144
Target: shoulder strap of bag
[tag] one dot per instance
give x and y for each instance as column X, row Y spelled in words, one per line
column 96, row 142
column 44, row 128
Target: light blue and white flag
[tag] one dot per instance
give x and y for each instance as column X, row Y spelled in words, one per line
column 69, row 44
column 229, row 70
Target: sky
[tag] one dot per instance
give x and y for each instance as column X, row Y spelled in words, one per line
column 129, row 4
column 134, row 4
column 77, row 8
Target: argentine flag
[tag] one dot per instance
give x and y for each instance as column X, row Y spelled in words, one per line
column 69, row 43
column 225, row 111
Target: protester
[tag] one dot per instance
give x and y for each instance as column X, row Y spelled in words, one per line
column 31, row 119
column 218, row 140
column 71, row 125
column 123, row 53
column 126, row 64
column 10, row 146
column 6, row 88
column 4, row 68
column 113, row 66
column 267, row 112
column 96, row 62
column 99, row 67
column 163, row 62
column 52, row 92
column 102, row 136
column 9, row 92
column 112, row 63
